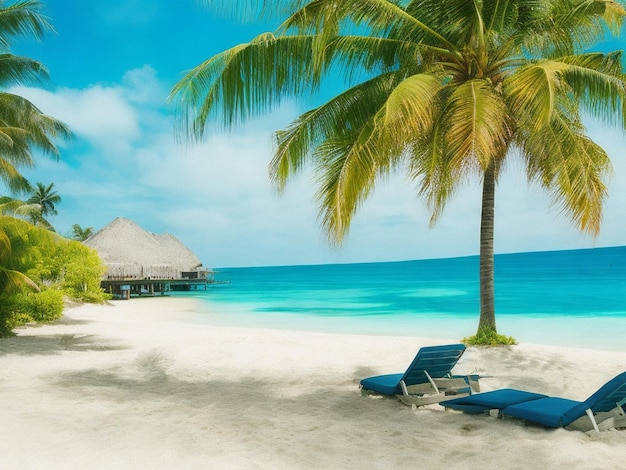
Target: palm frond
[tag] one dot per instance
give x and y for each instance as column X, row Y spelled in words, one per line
column 243, row 81
column 507, row 15
column 532, row 92
column 348, row 165
column 11, row 176
column 379, row 18
column 358, row 54
column 598, row 83
column 478, row 126
column 13, row 281
column 569, row 165
column 431, row 168
column 340, row 116
column 409, row 111
column 571, row 26
column 28, row 127
column 17, row 70
column 22, row 18
column 253, row 10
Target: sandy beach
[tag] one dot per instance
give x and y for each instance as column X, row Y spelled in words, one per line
column 132, row 385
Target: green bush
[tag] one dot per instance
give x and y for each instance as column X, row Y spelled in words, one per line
column 22, row 308
column 78, row 271
column 90, row 296
column 50, row 261
column 10, row 317
column 32, row 259
column 488, row 337
column 44, row 306
column 18, row 319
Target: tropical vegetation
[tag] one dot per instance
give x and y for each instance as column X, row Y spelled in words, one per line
column 37, row 267
column 448, row 91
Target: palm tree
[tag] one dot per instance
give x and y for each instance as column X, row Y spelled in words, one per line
column 446, row 90
column 19, row 209
column 23, row 127
column 81, row 234
column 44, row 198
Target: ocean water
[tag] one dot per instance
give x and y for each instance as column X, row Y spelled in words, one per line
column 574, row 298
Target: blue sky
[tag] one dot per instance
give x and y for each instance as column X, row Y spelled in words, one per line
column 112, row 65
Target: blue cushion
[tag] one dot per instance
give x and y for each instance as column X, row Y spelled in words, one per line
column 386, row 384
column 546, row 411
column 497, row 399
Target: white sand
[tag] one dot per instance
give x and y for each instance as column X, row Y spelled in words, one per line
column 133, row 386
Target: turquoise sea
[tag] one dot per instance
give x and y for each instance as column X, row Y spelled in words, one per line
column 573, row 298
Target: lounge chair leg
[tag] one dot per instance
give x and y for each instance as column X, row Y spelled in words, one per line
column 405, row 392
column 593, row 419
column 432, row 382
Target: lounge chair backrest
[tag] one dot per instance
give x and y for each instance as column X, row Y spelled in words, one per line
column 605, row 399
column 438, row 361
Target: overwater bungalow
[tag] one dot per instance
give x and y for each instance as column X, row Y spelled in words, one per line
column 141, row 263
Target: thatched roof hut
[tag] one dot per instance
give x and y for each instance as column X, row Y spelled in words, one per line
column 130, row 252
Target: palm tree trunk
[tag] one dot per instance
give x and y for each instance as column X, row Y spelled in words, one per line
column 487, row 320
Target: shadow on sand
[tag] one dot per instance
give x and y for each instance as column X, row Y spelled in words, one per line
column 54, row 344
column 147, row 381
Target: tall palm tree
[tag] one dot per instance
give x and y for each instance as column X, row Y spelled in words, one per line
column 23, row 127
column 44, row 198
column 446, row 90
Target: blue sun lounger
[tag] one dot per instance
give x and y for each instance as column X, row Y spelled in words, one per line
column 428, row 378
column 605, row 409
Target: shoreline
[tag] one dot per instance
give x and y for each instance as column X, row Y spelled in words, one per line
column 136, row 385
column 599, row 332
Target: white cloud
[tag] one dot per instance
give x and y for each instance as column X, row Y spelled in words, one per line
column 220, row 190
column 141, row 86
column 101, row 115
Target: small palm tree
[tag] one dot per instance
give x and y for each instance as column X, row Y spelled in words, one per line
column 81, row 234
column 45, row 199
column 446, row 90
column 19, row 209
